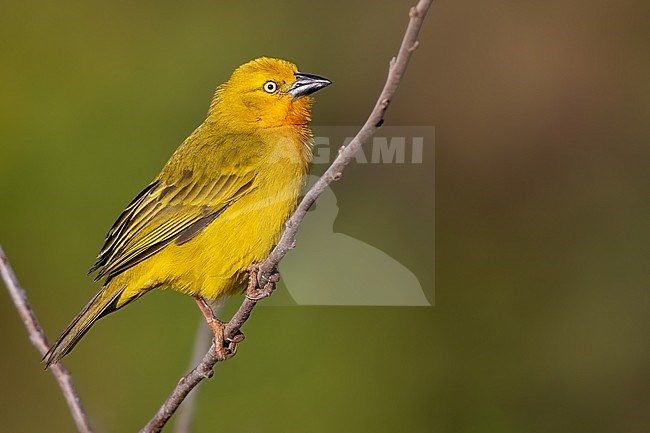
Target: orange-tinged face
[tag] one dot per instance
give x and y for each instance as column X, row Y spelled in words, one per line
column 266, row 93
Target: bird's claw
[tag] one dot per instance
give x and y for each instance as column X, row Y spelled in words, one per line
column 256, row 289
column 237, row 338
column 225, row 348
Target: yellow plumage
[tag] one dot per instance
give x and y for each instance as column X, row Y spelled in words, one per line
column 219, row 203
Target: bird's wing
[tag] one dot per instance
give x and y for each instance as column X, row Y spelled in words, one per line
column 164, row 212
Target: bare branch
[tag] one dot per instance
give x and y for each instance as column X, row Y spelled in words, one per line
column 37, row 337
column 265, row 278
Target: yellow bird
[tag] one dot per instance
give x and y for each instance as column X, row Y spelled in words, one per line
column 219, row 204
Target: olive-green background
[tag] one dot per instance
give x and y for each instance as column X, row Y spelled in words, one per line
column 541, row 214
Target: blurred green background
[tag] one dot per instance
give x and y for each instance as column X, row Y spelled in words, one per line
column 541, row 236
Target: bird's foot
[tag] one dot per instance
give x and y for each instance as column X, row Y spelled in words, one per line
column 225, row 347
column 259, row 289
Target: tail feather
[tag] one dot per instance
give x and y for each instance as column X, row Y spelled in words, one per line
column 100, row 305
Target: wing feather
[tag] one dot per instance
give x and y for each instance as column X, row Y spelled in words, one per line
column 166, row 211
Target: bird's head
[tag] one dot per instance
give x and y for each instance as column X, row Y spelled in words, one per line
column 266, row 93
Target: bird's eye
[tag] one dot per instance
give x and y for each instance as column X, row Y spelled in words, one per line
column 270, row 87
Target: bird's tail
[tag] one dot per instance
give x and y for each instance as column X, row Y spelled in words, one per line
column 104, row 302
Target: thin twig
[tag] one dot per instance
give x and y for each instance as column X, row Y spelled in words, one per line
column 204, row 369
column 37, row 337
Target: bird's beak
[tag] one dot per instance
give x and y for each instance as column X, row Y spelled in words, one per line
column 306, row 84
